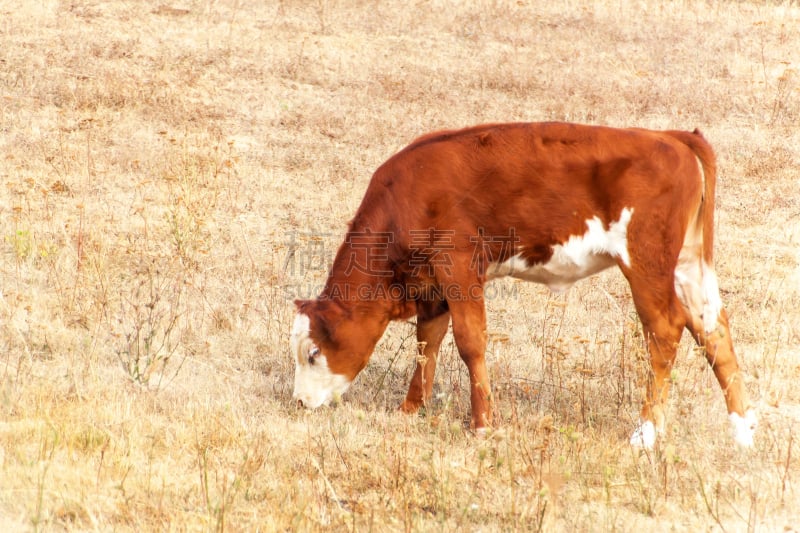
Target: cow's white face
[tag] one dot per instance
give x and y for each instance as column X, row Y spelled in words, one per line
column 314, row 383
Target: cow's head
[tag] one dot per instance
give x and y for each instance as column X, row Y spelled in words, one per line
column 330, row 346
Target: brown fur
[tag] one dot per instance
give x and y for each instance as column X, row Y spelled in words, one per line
column 539, row 183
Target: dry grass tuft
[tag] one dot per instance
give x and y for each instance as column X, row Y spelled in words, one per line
column 171, row 175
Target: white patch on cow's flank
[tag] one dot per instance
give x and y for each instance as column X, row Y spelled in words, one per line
column 314, row 383
column 579, row 257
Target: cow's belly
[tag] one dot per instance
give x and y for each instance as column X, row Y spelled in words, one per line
column 579, row 257
column 559, row 273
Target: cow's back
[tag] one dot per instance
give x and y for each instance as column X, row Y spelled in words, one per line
column 544, row 180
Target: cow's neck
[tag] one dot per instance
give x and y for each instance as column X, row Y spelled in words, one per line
column 361, row 276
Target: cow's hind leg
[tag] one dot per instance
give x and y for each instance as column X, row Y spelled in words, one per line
column 662, row 322
column 432, row 321
column 707, row 321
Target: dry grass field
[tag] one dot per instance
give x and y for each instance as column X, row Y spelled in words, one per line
column 173, row 174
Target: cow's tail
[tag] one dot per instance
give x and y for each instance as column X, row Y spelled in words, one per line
column 708, row 162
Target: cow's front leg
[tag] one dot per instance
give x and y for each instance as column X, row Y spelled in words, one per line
column 469, row 331
column 432, row 322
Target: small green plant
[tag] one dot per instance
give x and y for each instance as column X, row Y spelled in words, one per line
column 151, row 318
column 21, row 243
column 195, row 182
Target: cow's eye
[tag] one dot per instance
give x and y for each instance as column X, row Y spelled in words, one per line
column 312, row 355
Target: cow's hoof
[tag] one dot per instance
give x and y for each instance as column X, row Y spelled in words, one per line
column 644, row 436
column 410, row 407
column 744, row 428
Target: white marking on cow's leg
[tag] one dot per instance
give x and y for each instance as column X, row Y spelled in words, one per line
column 314, row 383
column 482, row 433
column 712, row 303
column 644, row 436
column 697, row 288
column 744, row 428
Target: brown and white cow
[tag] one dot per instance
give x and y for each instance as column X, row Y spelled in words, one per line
column 551, row 203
